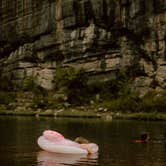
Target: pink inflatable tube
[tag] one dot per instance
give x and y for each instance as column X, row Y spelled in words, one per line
column 52, row 141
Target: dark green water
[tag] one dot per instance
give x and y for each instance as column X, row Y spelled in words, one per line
column 18, row 145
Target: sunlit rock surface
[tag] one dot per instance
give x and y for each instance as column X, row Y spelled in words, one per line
column 101, row 36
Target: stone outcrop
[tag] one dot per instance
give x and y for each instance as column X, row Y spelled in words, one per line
column 101, row 36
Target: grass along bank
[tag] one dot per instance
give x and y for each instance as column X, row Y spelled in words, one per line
column 75, row 113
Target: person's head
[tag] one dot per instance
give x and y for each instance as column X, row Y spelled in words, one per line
column 81, row 140
column 145, row 137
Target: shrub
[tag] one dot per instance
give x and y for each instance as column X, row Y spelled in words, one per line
column 111, row 89
column 28, row 84
column 152, row 102
column 6, row 83
column 7, row 97
column 73, row 82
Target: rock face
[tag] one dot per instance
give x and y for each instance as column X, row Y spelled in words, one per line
column 101, row 36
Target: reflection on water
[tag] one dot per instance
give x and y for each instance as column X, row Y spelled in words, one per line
column 53, row 159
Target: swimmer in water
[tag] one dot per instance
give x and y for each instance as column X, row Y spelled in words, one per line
column 144, row 138
column 86, row 144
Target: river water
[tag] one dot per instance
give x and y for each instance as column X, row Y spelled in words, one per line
column 18, row 145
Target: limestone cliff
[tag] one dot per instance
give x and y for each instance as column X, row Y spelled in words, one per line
column 101, row 36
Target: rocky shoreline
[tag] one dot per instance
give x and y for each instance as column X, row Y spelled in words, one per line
column 79, row 113
column 43, row 103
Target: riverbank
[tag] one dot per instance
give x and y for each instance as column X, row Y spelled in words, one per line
column 41, row 102
column 74, row 96
column 79, row 113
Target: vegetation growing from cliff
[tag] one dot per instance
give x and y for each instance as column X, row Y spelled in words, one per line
column 73, row 82
column 114, row 95
column 7, row 96
column 111, row 89
column 117, row 96
column 133, row 103
column 5, row 83
column 41, row 98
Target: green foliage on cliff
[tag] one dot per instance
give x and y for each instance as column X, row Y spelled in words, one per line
column 73, row 82
column 133, row 103
column 7, row 96
column 111, row 89
column 73, row 88
column 116, row 95
column 152, row 102
column 69, row 76
column 29, row 84
column 6, row 83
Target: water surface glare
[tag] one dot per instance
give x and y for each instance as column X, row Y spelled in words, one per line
column 18, row 145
